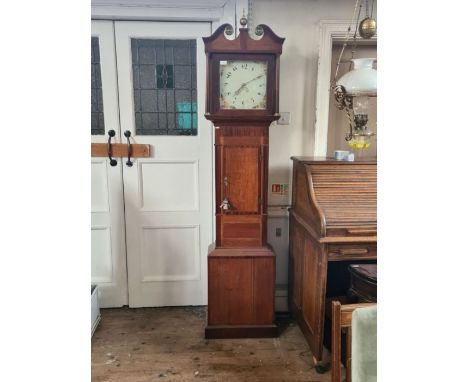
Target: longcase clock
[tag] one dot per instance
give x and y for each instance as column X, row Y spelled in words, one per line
column 242, row 101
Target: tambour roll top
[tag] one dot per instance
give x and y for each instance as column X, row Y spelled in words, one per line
column 336, row 198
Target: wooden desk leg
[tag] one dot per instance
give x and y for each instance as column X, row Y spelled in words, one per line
column 321, row 367
column 336, row 342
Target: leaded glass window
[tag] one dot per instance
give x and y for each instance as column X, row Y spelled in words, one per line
column 165, row 86
column 97, row 110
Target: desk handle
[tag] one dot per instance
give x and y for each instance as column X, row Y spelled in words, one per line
column 353, row 251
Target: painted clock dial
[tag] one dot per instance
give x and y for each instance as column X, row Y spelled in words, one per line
column 242, row 84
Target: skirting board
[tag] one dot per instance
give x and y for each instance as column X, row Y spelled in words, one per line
column 95, row 325
column 95, row 311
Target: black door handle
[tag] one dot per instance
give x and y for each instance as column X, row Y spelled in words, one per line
column 127, row 134
column 113, row 162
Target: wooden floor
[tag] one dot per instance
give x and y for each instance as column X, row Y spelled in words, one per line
column 168, row 344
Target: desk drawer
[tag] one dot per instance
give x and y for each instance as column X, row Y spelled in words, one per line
column 355, row 251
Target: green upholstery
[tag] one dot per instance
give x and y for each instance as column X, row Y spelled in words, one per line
column 364, row 345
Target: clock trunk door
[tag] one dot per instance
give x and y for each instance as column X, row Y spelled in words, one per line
column 168, row 196
column 241, row 163
column 241, row 178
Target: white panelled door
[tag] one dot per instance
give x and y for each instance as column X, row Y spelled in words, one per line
column 168, row 196
column 108, row 254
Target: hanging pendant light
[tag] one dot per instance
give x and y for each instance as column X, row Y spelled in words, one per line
column 368, row 25
column 353, row 89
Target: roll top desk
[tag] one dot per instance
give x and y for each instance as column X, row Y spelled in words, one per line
column 332, row 219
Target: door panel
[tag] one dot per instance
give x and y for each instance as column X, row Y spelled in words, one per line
column 168, row 197
column 108, row 259
column 168, row 185
column 181, row 244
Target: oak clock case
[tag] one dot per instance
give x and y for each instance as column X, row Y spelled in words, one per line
column 242, row 101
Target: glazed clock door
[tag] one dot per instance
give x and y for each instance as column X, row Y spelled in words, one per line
column 108, row 257
column 168, row 196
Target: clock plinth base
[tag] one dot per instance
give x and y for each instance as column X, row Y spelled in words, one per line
column 241, row 289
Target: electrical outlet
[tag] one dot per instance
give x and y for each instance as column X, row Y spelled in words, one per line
column 284, row 119
column 278, row 232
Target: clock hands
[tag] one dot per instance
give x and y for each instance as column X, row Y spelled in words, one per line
column 245, row 83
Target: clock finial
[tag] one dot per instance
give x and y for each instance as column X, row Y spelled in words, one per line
column 243, row 21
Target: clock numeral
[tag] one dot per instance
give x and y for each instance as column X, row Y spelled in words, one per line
column 228, row 74
column 253, row 101
column 228, row 93
column 244, row 66
column 225, row 83
column 259, row 93
column 242, row 102
column 252, row 68
column 234, row 68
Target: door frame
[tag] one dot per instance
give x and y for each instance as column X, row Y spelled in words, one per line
column 218, row 12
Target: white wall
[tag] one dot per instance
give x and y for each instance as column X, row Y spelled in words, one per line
column 297, row 21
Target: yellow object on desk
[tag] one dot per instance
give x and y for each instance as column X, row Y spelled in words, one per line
column 358, row 145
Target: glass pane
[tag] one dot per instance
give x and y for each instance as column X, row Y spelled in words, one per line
column 165, row 86
column 97, row 109
column 182, row 77
column 148, row 100
column 165, row 76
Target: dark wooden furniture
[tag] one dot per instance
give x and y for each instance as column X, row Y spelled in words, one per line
column 363, row 283
column 341, row 321
column 241, row 269
column 332, row 219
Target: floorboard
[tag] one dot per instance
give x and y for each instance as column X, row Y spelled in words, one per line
column 168, row 344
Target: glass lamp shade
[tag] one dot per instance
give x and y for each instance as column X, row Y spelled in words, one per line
column 362, row 80
column 361, row 105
